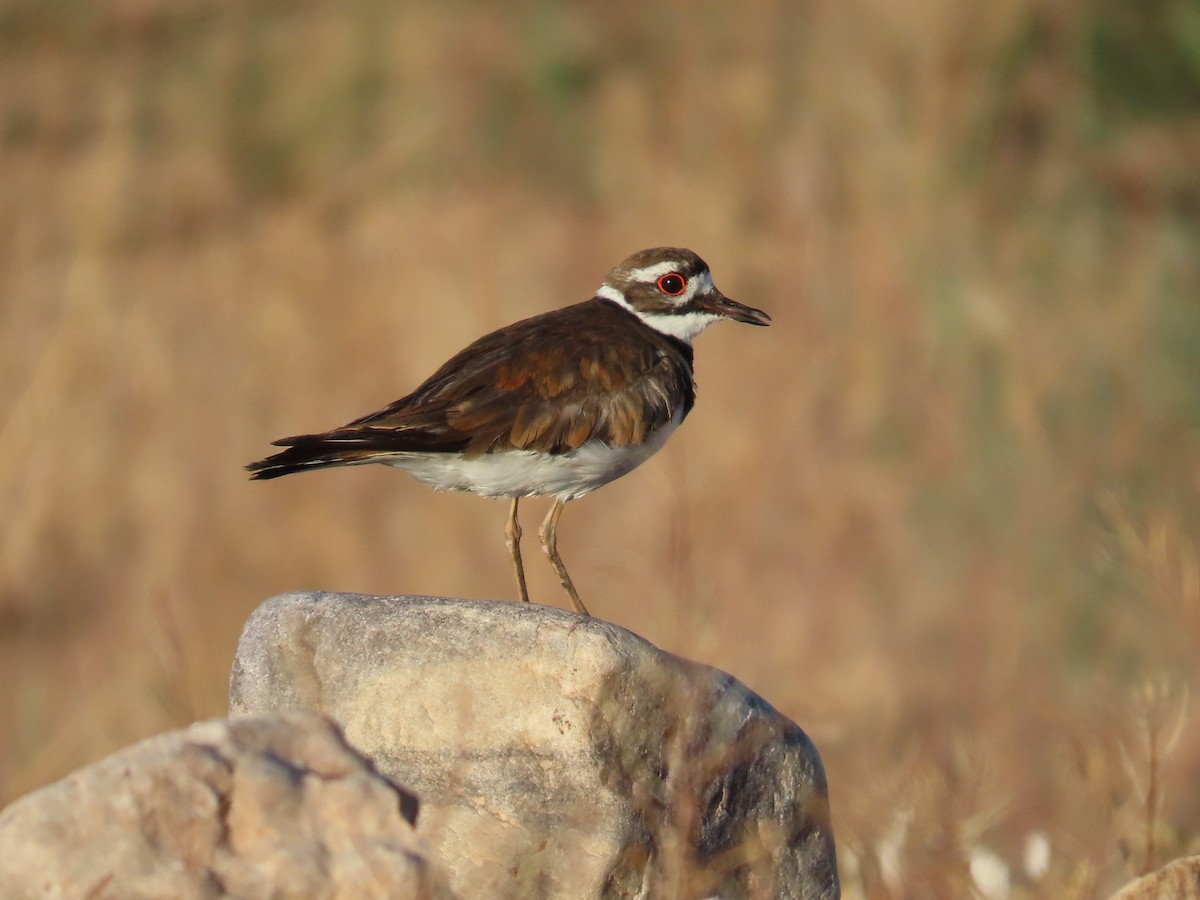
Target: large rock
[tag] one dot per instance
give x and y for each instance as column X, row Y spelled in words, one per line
column 1178, row 880
column 555, row 755
column 269, row 807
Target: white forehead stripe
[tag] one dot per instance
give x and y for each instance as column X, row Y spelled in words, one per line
column 699, row 284
column 654, row 272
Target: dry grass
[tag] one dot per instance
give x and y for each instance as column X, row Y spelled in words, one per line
column 943, row 513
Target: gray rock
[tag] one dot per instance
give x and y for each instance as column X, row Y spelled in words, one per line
column 555, row 755
column 1178, row 880
column 271, row 807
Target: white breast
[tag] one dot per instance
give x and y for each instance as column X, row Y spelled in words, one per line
column 525, row 473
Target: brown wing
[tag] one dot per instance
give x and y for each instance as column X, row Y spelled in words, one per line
column 551, row 383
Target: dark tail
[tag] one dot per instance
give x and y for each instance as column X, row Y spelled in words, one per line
column 310, row 451
column 347, row 447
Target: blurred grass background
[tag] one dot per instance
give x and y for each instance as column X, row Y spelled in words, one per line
column 943, row 513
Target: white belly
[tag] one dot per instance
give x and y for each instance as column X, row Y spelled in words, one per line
column 524, row 473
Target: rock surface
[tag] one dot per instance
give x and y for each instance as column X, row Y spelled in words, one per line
column 1178, row 880
column 270, row 807
column 555, row 755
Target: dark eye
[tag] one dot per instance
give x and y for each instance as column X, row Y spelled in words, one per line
column 672, row 283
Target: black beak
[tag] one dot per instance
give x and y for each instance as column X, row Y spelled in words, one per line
column 718, row 304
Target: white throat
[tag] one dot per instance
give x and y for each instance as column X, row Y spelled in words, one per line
column 684, row 326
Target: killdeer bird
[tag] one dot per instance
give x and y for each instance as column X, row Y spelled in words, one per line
column 560, row 404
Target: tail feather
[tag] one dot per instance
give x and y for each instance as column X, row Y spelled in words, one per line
column 301, row 459
column 347, row 448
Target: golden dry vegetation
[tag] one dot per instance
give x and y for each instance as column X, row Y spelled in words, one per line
column 943, row 513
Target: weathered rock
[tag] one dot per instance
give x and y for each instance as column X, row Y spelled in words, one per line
column 555, row 755
column 1178, row 880
column 271, row 807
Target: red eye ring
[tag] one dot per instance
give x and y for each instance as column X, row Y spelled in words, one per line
column 673, row 284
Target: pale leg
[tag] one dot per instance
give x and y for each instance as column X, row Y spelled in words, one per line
column 550, row 545
column 512, row 537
